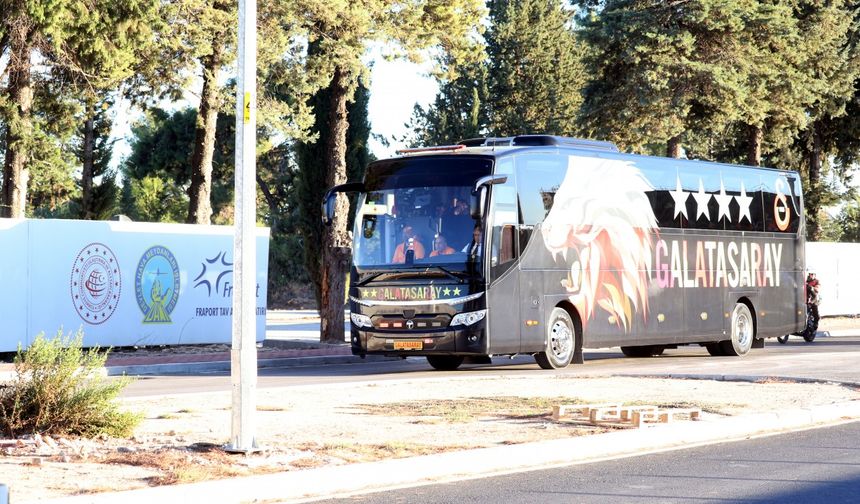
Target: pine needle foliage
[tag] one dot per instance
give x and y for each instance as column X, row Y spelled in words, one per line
column 58, row 390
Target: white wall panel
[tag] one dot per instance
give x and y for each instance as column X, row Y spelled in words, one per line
column 13, row 281
column 837, row 266
column 131, row 283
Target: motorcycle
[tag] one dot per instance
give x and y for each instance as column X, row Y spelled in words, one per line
column 808, row 333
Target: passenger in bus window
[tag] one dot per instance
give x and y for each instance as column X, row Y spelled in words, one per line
column 410, row 242
column 440, row 247
column 474, row 247
column 457, row 221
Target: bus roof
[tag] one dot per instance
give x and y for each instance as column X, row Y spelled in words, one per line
column 503, row 146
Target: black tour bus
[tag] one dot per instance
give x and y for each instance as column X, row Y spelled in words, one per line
column 544, row 245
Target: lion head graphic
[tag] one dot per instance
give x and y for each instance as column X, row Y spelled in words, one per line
column 601, row 224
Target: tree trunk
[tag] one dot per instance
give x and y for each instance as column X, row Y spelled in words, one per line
column 673, row 147
column 756, row 136
column 200, row 191
column 813, row 193
column 336, row 246
column 20, row 95
column 87, row 168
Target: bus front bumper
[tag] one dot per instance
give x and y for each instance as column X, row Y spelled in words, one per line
column 463, row 341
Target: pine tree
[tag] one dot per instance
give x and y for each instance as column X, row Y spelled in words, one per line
column 90, row 43
column 311, row 181
column 214, row 41
column 832, row 72
column 658, row 69
column 536, row 69
column 159, row 167
column 199, row 38
column 342, row 29
column 458, row 112
column 52, row 163
column 99, row 191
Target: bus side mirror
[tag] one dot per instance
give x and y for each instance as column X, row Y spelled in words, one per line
column 328, row 208
column 475, row 205
column 479, row 196
column 330, row 199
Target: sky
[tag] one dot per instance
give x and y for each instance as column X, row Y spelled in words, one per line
column 395, row 88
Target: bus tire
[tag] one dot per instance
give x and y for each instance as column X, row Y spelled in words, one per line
column 743, row 332
column 445, row 362
column 560, row 341
column 642, row 351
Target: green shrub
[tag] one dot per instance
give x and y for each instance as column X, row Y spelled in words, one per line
column 59, row 389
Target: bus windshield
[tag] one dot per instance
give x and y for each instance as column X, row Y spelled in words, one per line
column 415, row 213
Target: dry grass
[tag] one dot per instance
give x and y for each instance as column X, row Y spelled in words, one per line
column 471, row 408
column 263, row 407
column 181, row 465
column 358, row 452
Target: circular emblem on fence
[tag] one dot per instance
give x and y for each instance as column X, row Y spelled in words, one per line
column 96, row 283
column 156, row 285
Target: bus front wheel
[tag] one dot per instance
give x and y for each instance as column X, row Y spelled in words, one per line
column 743, row 332
column 445, row 362
column 560, row 341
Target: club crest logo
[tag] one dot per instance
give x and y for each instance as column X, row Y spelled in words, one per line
column 95, row 283
column 156, row 284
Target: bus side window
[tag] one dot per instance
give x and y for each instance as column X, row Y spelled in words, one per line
column 504, row 217
column 538, row 178
column 506, row 252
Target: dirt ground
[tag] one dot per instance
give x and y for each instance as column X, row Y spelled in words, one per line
column 298, row 428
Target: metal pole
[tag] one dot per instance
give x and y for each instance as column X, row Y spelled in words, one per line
column 243, row 369
column 4, row 494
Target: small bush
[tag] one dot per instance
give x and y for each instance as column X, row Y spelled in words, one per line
column 59, row 390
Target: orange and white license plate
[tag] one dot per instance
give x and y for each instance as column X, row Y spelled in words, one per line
column 408, row 345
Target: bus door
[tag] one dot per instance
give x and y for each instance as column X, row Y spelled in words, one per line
column 504, row 281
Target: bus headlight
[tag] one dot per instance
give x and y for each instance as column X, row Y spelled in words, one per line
column 359, row 320
column 468, row 318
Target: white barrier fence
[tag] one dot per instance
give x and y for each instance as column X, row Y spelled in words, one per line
column 125, row 283
column 837, row 266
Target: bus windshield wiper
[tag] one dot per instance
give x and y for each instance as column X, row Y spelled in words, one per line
column 372, row 277
column 448, row 272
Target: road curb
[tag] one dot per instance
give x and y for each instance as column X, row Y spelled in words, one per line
column 223, row 365
column 739, row 378
column 215, row 366
column 297, row 486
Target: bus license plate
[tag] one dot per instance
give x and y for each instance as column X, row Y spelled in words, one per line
column 408, row 345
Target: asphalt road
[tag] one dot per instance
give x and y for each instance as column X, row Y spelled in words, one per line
column 830, row 358
column 812, row 466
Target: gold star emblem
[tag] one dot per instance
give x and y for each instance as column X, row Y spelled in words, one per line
column 456, row 291
column 447, row 291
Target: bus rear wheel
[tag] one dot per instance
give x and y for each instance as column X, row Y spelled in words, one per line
column 445, row 362
column 642, row 351
column 560, row 341
column 743, row 332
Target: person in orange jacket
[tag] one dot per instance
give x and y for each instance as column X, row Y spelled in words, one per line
column 410, row 242
column 440, row 247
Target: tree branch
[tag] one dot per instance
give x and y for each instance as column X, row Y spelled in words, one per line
column 267, row 193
